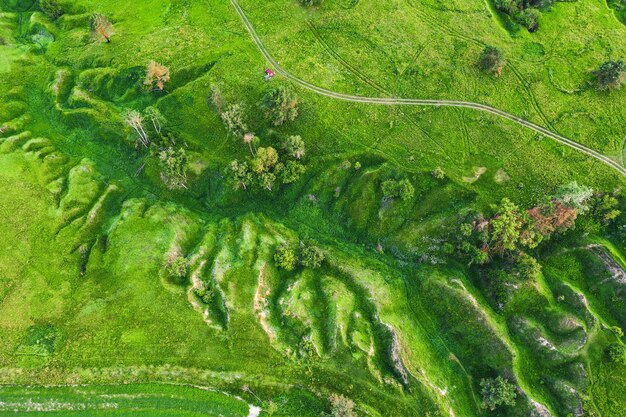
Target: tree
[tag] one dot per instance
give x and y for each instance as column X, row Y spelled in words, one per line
column 239, row 175
column 402, row 189
column 311, row 256
column 616, row 353
column 528, row 267
column 155, row 116
column 497, row 391
column 341, row 406
column 251, row 140
column 100, row 26
column 134, row 119
column 267, row 180
column 173, row 164
column 506, row 227
column 611, row 75
column 280, row 105
column 492, row 60
column 51, row 8
column 233, row 120
column 264, row 160
column 574, row 196
column 529, row 18
column 156, row 74
column 294, row 145
column 285, row 257
column 291, row 172
column 604, row 208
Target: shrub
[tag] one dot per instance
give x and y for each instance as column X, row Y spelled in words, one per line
column 491, row 61
column 233, row 120
column 497, row 391
column 616, row 353
column 176, row 270
column 312, row 256
column 205, row 294
column 280, row 105
column 51, row 8
column 611, row 75
column 285, row 257
column 341, row 406
column 438, row 173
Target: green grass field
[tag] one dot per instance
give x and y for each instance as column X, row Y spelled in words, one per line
column 393, row 319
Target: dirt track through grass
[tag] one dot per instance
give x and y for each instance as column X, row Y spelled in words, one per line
column 391, row 101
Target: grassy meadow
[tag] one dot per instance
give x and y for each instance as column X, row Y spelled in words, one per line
column 393, row 319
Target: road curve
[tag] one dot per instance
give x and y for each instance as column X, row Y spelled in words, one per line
column 391, row 101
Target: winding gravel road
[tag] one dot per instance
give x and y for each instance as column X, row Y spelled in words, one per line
column 392, row 101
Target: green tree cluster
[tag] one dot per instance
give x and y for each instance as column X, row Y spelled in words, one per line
column 496, row 392
column 267, row 167
column 308, row 255
column 402, row 189
column 616, row 353
column 524, row 12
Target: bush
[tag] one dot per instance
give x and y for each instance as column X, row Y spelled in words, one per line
column 280, row 105
column 205, row 294
column 176, row 270
column 438, row 173
column 341, row 406
column 285, row 257
column 497, row 391
column 51, row 8
column 312, row 256
column 616, row 353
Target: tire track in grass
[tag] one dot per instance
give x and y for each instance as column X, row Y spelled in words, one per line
column 451, row 32
column 367, row 80
column 390, row 101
